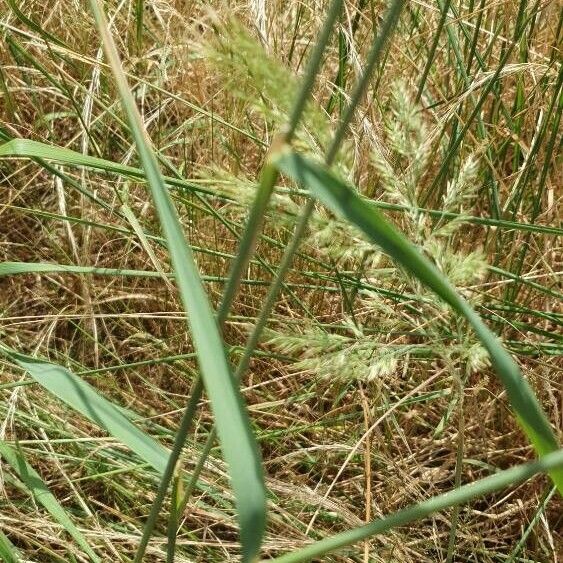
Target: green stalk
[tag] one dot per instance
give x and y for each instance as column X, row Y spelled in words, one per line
column 173, row 518
column 268, row 180
column 287, row 258
column 458, row 467
column 534, row 521
column 432, row 53
column 179, row 441
column 139, row 9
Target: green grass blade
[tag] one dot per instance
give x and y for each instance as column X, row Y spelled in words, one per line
column 486, row 221
column 22, row 268
column 82, row 397
column 533, row 523
column 8, row 551
column 8, row 147
column 268, row 178
column 34, row 26
column 27, row 148
column 552, row 462
column 346, row 203
column 43, row 495
column 139, row 11
column 432, row 53
column 15, row 268
column 237, row 441
column 34, row 149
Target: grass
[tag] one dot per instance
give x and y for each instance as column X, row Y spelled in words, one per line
column 162, row 165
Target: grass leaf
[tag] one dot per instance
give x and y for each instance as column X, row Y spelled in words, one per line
column 81, row 396
column 237, row 440
column 551, row 462
column 346, row 203
column 15, row 268
column 8, row 552
column 43, row 495
column 27, row 148
column 35, row 149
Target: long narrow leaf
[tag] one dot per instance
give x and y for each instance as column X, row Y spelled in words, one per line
column 43, row 495
column 15, row 268
column 346, row 203
column 8, row 551
column 237, row 440
column 33, row 25
column 26, row 148
column 551, row 462
column 82, row 397
column 20, row 268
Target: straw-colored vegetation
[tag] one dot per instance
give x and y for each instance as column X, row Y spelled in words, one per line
column 275, row 241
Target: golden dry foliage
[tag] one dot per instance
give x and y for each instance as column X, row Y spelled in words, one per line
column 366, row 391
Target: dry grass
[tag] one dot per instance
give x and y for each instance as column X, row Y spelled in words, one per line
column 338, row 451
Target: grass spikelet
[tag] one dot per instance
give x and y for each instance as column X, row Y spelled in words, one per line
column 260, row 81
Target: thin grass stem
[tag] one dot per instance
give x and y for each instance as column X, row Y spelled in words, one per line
column 303, row 220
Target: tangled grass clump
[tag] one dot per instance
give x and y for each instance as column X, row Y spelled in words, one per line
column 279, row 280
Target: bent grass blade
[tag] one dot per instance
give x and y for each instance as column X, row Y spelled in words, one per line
column 82, row 397
column 238, row 443
column 345, row 202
